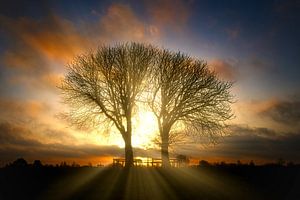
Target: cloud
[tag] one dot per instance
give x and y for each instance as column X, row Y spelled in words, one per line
column 247, row 143
column 169, row 13
column 15, row 135
column 224, row 69
column 24, row 59
column 52, row 79
column 53, row 37
column 262, row 143
column 273, row 113
column 255, row 113
column 37, row 84
column 239, row 130
column 14, row 143
column 18, row 138
column 233, row 33
column 285, row 112
column 259, row 64
column 33, row 58
column 120, row 23
column 12, row 136
column 35, row 120
column 254, row 107
column 21, row 111
column 38, row 49
column 59, row 39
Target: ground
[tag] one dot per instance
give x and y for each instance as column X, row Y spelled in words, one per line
column 210, row 182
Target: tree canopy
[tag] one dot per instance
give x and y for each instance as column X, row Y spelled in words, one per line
column 105, row 85
column 185, row 90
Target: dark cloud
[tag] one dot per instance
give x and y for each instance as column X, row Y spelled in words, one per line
column 246, row 143
column 14, row 143
column 22, row 111
column 284, row 146
column 236, row 130
column 15, row 135
column 262, row 144
column 258, row 64
column 284, row 112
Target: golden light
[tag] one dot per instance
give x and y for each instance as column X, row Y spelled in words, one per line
column 145, row 129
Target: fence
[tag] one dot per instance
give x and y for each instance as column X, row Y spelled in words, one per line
column 150, row 162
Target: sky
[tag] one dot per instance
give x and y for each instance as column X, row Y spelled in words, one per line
column 255, row 44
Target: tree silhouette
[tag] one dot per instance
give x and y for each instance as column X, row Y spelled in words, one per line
column 104, row 86
column 37, row 164
column 185, row 91
column 20, row 162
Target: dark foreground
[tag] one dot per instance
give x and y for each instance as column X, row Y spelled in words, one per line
column 267, row 182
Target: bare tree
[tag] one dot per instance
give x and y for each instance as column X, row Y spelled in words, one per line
column 104, row 86
column 186, row 92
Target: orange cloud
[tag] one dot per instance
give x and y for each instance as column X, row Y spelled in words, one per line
column 53, row 37
column 41, row 47
column 37, row 121
column 46, row 82
column 170, row 13
column 38, row 48
column 261, row 106
column 52, row 79
column 55, row 145
column 24, row 60
column 284, row 112
column 11, row 108
column 121, row 23
column 270, row 113
column 40, row 44
column 224, row 69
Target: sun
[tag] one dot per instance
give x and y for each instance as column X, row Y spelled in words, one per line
column 145, row 129
column 143, row 133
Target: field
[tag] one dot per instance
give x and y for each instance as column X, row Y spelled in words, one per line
column 211, row 182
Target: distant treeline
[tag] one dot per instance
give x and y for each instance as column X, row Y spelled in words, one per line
column 22, row 163
column 211, row 181
column 280, row 162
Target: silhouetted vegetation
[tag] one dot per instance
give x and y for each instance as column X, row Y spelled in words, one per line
column 102, row 88
column 22, row 180
column 184, row 90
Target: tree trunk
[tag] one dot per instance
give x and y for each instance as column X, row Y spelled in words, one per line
column 128, row 153
column 165, row 149
column 128, row 149
column 127, row 140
